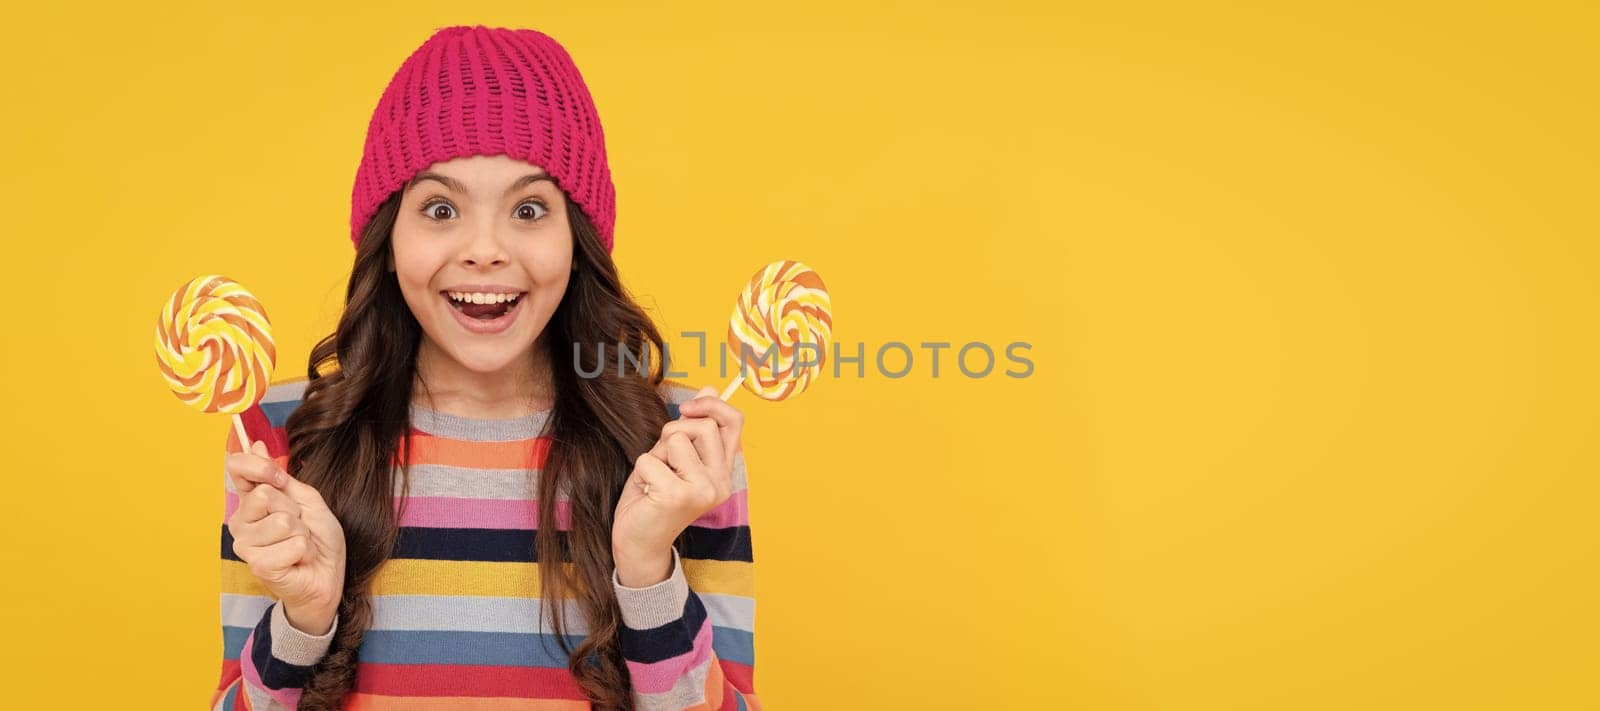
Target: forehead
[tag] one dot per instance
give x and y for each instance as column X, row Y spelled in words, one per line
column 465, row 173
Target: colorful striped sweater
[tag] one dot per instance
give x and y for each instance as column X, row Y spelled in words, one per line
column 457, row 622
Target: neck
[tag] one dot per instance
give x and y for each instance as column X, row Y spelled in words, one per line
column 523, row 387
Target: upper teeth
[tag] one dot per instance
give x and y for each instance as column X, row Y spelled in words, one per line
column 474, row 297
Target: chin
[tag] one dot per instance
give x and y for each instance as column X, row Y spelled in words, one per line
column 487, row 360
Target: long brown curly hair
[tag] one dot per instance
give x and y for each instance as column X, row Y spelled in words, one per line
column 354, row 420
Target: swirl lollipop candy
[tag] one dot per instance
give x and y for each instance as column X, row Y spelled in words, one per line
column 782, row 313
column 214, row 347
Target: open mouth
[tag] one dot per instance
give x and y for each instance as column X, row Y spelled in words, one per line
column 482, row 306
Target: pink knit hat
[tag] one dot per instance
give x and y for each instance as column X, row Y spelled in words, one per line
column 487, row 91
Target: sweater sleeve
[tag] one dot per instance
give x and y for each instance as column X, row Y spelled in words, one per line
column 266, row 661
column 689, row 640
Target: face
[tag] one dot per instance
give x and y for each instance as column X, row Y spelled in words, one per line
column 483, row 254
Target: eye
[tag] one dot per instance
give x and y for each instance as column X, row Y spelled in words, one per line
column 531, row 210
column 431, row 210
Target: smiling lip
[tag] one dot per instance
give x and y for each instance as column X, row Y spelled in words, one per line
column 486, row 326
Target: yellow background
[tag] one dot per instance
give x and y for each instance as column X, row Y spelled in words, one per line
column 1310, row 294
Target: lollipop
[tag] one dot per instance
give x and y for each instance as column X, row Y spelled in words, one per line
column 784, row 311
column 214, row 346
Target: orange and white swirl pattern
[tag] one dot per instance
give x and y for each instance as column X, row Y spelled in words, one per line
column 784, row 306
column 214, row 345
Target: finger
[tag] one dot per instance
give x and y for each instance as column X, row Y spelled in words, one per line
column 271, row 562
column 649, row 469
column 277, row 526
column 705, row 434
column 682, row 457
column 259, row 448
column 247, row 469
column 302, row 493
column 280, row 479
column 276, row 499
column 261, row 501
column 267, row 471
column 710, row 444
column 244, row 470
column 729, row 419
column 699, row 399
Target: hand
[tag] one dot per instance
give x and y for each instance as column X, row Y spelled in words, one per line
column 290, row 538
column 690, row 472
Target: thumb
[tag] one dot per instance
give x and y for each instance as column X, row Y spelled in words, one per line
column 707, row 391
column 691, row 405
column 301, row 492
column 259, row 448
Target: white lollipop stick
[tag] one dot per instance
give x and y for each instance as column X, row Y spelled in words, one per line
column 238, row 429
column 733, row 387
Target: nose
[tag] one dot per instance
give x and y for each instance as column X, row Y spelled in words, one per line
column 484, row 248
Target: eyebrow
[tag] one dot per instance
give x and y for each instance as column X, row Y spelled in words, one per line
column 456, row 185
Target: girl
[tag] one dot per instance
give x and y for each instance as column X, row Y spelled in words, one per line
column 452, row 511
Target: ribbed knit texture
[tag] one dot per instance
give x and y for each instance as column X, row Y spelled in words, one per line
column 487, row 91
column 457, row 616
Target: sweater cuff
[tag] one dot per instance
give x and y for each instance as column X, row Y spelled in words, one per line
column 651, row 607
column 294, row 646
